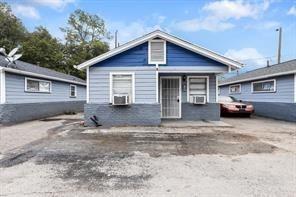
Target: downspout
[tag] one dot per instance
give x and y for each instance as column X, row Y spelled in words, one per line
column 157, row 83
column 2, row 86
column 87, row 85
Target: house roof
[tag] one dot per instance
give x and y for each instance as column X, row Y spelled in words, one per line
column 25, row 68
column 197, row 49
column 284, row 68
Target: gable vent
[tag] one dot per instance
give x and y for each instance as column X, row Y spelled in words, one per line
column 157, row 52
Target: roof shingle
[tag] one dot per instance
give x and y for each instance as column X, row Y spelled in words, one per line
column 24, row 66
column 288, row 66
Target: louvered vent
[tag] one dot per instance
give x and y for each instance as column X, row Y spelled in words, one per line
column 157, row 52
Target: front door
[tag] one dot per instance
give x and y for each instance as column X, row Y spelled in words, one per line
column 170, row 97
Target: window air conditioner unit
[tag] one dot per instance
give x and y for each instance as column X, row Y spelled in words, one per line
column 120, row 100
column 199, row 100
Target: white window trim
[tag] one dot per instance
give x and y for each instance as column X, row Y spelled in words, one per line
column 2, row 87
column 149, row 52
column 71, row 85
column 252, row 86
column 240, row 88
column 111, row 84
column 40, row 80
column 198, row 77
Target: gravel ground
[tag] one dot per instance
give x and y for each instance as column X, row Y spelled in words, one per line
column 21, row 134
column 256, row 157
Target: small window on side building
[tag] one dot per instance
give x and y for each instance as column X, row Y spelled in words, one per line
column 37, row 85
column 264, row 86
column 73, row 91
column 235, row 89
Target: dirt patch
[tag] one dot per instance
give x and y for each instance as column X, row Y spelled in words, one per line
column 156, row 144
column 99, row 172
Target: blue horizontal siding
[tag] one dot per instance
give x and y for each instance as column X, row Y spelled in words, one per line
column 179, row 56
column 176, row 56
column 284, row 91
column 15, row 91
column 137, row 56
column 99, row 80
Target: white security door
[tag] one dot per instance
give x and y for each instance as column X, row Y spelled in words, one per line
column 170, row 97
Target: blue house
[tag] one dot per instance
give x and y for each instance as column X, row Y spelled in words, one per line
column 154, row 77
column 29, row 92
column 272, row 90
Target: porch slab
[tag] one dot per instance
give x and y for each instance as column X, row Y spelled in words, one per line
column 188, row 123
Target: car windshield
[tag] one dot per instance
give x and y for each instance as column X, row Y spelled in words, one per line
column 227, row 99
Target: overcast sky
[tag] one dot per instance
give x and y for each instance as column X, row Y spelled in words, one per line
column 243, row 30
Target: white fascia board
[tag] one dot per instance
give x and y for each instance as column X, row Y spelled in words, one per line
column 260, row 77
column 173, row 39
column 188, row 71
column 11, row 70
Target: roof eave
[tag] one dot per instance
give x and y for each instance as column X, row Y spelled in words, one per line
column 259, row 77
column 11, row 70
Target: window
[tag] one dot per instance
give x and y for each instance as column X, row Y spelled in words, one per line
column 122, row 84
column 235, row 89
column 197, row 86
column 73, row 91
column 264, row 86
column 37, row 85
column 157, row 52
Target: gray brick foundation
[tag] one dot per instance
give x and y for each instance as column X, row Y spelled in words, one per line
column 135, row 114
column 15, row 113
column 209, row 111
column 280, row 111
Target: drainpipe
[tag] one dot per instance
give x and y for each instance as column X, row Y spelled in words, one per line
column 2, row 86
column 157, row 82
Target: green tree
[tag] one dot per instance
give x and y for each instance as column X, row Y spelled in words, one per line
column 84, row 28
column 85, row 36
column 41, row 48
column 12, row 31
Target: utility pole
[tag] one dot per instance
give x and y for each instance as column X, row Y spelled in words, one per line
column 279, row 45
column 116, row 32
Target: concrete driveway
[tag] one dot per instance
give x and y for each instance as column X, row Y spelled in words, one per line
column 254, row 157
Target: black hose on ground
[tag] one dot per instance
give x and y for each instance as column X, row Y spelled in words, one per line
column 95, row 120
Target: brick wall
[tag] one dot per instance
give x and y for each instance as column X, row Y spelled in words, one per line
column 280, row 111
column 136, row 114
column 14, row 113
column 209, row 111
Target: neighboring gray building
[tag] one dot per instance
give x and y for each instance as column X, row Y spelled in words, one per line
column 157, row 76
column 30, row 92
column 272, row 90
